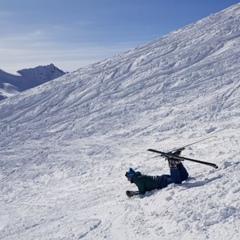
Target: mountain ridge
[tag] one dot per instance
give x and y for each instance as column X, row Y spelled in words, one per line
column 11, row 84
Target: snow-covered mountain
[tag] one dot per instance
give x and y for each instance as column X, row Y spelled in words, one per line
column 11, row 84
column 66, row 145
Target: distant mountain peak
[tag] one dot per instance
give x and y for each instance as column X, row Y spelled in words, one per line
column 29, row 78
column 42, row 73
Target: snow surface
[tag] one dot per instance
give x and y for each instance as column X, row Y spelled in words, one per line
column 66, row 145
column 11, row 84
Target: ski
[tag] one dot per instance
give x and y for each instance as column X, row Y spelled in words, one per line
column 170, row 155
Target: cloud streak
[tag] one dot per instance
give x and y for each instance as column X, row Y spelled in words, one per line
column 69, row 47
column 37, row 48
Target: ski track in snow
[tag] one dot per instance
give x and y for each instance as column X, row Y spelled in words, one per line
column 66, row 145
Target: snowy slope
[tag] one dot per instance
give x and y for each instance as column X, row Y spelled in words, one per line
column 66, row 145
column 11, row 85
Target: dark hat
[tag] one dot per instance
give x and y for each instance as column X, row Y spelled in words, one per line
column 130, row 173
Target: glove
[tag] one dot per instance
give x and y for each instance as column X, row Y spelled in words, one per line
column 131, row 193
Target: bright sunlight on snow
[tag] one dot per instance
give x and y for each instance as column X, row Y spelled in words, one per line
column 66, row 145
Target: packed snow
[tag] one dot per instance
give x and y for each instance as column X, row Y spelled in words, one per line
column 66, row 145
column 11, row 84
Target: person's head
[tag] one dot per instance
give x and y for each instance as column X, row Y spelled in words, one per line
column 130, row 174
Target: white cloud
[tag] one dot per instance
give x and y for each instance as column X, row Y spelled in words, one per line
column 67, row 48
column 33, row 49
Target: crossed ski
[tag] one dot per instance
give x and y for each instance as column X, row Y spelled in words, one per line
column 171, row 155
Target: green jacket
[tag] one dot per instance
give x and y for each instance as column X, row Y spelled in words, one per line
column 148, row 183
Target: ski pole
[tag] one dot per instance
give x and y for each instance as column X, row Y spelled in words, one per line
column 201, row 140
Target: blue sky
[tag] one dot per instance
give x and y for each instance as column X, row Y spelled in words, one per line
column 74, row 33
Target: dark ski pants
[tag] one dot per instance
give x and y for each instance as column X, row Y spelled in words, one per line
column 179, row 174
column 182, row 171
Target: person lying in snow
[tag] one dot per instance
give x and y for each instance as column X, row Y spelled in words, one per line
column 178, row 173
